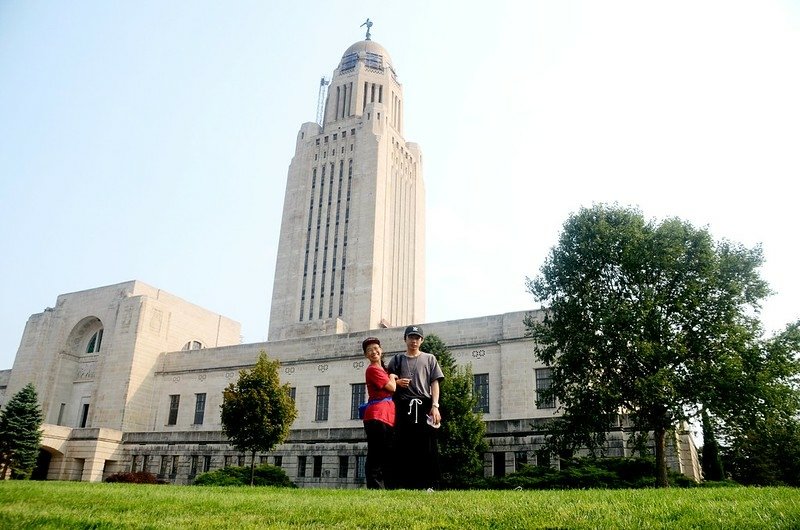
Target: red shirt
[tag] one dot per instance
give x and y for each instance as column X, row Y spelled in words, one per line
column 383, row 411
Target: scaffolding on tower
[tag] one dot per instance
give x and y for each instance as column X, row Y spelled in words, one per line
column 323, row 88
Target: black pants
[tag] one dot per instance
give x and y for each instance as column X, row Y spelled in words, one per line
column 380, row 442
column 416, row 448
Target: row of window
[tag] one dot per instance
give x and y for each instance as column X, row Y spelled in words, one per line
column 358, row 396
column 333, row 153
column 320, row 209
column 520, row 459
column 371, row 60
column 199, row 408
column 312, row 466
column 343, row 97
column 336, row 136
column 82, row 420
column 168, row 466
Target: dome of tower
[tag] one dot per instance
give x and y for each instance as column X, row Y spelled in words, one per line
column 364, row 47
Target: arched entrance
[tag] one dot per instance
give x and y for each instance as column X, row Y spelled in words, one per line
column 42, row 465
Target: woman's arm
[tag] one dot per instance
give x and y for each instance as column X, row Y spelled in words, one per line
column 391, row 384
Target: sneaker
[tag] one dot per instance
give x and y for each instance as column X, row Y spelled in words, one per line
column 430, row 490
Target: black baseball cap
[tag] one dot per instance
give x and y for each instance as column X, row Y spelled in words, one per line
column 413, row 330
column 368, row 341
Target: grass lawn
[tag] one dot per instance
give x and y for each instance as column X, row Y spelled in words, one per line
column 27, row 504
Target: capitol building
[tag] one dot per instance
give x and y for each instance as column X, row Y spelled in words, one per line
column 130, row 377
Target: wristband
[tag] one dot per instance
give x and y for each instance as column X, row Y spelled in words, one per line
column 435, row 405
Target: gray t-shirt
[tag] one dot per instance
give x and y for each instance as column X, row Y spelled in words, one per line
column 422, row 370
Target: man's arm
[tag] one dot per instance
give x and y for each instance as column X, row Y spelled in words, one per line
column 437, row 417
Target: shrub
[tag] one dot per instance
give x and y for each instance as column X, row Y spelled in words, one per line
column 139, row 477
column 265, row 475
column 585, row 473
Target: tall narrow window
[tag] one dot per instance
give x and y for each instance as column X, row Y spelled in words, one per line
column 301, row 466
column 499, row 464
column 193, row 465
column 344, row 236
column 481, row 384
column 520, row 459
column 317, row 467
column 173, row 472
column 361, row 467
column 344, row 466
column 61, row 413
column 349, row 99
column 293, row 393
column 543, row 458
column 323, row 395
column 84, row 415
column 164, row 468
column 358, row 396
column 544, row 377
column 308, row 240
column 199, row 408
column 174, row 403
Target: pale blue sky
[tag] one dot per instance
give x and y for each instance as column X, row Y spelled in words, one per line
column 150, row 140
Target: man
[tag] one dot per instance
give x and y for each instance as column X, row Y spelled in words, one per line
column 417, row 413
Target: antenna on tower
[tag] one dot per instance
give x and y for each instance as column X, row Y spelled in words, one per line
column 323, row 88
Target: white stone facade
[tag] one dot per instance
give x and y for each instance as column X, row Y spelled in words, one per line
column 131, row 377
column 326, row 435
column 351, row 255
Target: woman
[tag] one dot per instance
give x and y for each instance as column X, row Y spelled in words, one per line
column 379, row 414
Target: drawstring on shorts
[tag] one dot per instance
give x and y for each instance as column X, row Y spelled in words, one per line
column 414, row 403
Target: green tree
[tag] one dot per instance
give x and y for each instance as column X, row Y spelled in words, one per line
column 762, row 444
column 20, row 433
column 257, row 411
column 461, row 439
column 650, row 319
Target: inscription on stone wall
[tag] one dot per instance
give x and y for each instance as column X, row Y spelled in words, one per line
column 85, row 372
column 155, row 320
column 125, row 320
column 358, row 364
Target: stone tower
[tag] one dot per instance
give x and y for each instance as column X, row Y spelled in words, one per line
column 351, row 255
